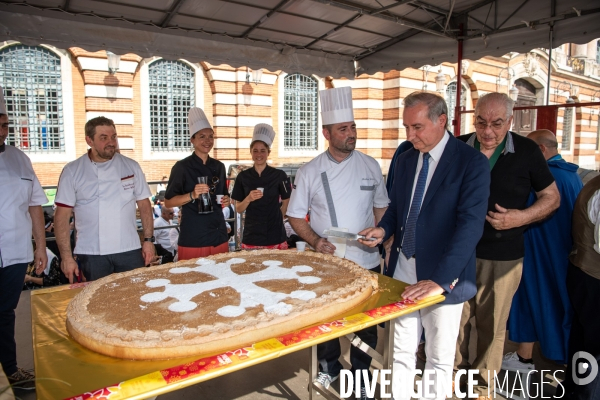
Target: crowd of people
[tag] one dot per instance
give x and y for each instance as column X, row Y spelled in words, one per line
column 484, row 219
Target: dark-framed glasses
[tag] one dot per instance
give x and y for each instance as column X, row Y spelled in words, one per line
column 494, row 125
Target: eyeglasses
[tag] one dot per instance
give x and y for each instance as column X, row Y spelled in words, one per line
column 215, row 182
column 495, row 126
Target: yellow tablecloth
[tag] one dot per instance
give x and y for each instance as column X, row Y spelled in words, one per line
column 64, row 369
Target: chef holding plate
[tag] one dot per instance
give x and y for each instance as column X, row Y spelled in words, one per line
column 345, row 191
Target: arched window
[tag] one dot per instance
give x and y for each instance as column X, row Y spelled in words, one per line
column 171, row 94
column 300, row 112
column 31, row 78
column 451, row 102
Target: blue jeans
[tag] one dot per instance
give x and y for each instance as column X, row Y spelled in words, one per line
column 11, row 284
column 328, row 353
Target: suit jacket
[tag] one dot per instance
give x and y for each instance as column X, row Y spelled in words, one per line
column 451, row 219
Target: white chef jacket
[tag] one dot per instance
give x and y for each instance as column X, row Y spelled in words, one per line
column 167, row 238
column 356, row 186
column 19, row 189
column 103, row 197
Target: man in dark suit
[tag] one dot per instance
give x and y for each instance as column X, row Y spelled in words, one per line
column 436, row 214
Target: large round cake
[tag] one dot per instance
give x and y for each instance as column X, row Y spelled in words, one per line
column 214, row 304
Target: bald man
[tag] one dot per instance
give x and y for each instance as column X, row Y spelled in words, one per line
column 541, row 310
column 547, row 142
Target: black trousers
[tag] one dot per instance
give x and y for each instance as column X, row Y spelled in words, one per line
column 11, row 284
column 584, row 293
column 95, row 267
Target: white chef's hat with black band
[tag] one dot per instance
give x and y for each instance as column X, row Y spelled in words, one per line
column 2, row 102
column 336, row 105
column 264, row 133
column 197, row 120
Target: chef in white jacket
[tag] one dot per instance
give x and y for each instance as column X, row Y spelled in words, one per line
column 102, row 189
column 343, row 189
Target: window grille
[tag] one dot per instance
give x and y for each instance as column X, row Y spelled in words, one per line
column 300, row 112
column 567, row 126
column 32, row 82
column 171, row 90
column 451, row 103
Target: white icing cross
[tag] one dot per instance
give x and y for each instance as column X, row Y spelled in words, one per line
column 251, row 294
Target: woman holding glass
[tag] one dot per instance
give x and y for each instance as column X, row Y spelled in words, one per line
column 259, row 191
column 193, row 186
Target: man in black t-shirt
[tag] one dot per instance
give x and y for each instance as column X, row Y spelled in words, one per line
column 517, row 167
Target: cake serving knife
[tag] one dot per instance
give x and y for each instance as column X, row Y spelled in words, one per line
column 346, row 235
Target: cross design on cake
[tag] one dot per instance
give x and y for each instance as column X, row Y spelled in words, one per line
column 251, row 294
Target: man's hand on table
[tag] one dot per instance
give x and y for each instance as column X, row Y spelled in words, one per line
column 421, row 290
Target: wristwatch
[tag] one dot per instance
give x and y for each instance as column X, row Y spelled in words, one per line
column 150, row 239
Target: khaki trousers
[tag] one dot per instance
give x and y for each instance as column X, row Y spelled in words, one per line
column 497, row 282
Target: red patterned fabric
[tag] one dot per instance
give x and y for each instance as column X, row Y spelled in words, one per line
column 187, row 253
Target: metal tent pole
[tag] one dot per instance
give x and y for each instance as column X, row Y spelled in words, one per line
column 549, row 65
column 552, row 13
column 458, row 85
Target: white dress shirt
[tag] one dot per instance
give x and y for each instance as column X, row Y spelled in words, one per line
column 406, row 270
column 167, row 238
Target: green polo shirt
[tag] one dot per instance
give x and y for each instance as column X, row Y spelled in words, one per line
column 497, row 152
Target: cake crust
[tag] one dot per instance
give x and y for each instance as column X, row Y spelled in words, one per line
column 214, row 304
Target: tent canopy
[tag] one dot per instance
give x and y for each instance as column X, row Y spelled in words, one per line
column 339, row 38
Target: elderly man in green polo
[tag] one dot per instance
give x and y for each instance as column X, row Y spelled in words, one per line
column 517, row 166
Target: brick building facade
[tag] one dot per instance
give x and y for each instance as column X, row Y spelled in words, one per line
column 235, row 103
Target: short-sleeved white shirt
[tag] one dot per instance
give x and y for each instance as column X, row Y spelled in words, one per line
column 19, row 190
column 103, row 197
column 356, row 186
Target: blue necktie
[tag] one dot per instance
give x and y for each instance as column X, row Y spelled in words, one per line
column 408, row 242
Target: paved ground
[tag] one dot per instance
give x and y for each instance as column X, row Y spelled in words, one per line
column 282, row 378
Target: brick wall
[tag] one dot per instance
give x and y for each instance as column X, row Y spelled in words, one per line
column 235, row 106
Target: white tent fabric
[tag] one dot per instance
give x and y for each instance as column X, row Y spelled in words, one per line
column 339, row 38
